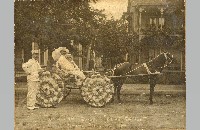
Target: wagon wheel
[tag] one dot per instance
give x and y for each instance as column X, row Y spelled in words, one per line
column 50, row 91
column 97, row 90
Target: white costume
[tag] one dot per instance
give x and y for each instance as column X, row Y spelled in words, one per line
column 69, row 67
column 32, row 68
column 64, row 64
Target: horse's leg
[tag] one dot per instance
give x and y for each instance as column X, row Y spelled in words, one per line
column 115, row 93
column 152, row 82
column 119, row 86
column 118, row 93
column 151, row 93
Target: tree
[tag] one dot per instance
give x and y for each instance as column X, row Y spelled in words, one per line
column 54, row 23
column 113, row 41
column 51, row 22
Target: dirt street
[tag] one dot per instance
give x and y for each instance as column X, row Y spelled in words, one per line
column 167, row 113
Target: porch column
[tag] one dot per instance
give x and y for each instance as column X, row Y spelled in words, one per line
column 39, row 57
column 161, row 19
column 140, row 21
column 126, row 57
column 45, row 57
column 80, row 58
column 181, row 60
column 140, row 36
column 33, row 45
column 22, row 55
column 88, row 56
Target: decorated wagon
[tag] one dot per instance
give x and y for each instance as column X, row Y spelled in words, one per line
column 96, row 89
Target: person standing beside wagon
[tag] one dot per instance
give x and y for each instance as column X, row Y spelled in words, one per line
column 33, row 69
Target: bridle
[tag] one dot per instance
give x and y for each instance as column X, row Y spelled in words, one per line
column 167, row 57
column 165, row 65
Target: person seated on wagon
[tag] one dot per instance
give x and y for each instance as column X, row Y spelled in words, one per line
column 66, row 64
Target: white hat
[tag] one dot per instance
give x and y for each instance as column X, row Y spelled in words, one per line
column 68, row 55
column 34, row 51
column 63, row 49
column 56, row 53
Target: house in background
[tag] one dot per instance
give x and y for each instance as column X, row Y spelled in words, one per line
column 167, row 16
column 23, row 54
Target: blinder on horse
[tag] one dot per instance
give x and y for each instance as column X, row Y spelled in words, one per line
column 169, row 59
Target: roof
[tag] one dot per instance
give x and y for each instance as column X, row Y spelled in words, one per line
column 148, row 2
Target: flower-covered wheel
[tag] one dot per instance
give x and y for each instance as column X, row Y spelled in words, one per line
column 51, row 90
column 97, row 90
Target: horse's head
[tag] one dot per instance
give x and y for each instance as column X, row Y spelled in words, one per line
column 161, row 61
column 168, row 58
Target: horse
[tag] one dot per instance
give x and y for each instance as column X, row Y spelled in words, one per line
column 151, row 69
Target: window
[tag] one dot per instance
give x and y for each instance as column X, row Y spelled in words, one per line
column 157, row 22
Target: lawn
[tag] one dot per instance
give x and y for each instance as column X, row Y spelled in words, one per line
column 167, row 113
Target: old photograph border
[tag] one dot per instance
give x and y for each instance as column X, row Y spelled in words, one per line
column 192, row 65
column 7, row 64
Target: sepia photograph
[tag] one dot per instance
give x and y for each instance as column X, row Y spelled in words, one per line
column 99, row 65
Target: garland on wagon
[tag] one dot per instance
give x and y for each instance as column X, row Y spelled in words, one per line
column 50, row 91
column 97, row 90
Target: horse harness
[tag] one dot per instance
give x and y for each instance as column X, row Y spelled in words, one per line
column 148, row 66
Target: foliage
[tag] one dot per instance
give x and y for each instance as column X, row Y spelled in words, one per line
column 167, row 37
column 113, row 40
column 53, row 23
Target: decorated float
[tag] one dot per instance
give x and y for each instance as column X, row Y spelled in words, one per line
column 55, row 85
